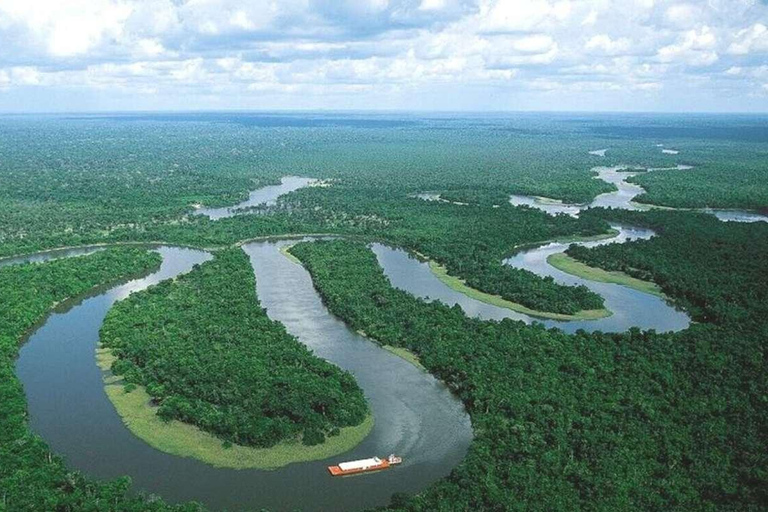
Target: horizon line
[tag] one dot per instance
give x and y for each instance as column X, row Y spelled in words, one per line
column 375, row 111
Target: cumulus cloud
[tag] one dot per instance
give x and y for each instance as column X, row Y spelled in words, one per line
column 749, row 40
column 694, row 47
column 605, row 44
column 374, row 48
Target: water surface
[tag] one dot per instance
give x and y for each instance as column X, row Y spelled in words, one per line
column 631, row 308
column 262, row 196
column 416, row 416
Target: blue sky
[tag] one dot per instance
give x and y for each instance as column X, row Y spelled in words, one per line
column 622, row 55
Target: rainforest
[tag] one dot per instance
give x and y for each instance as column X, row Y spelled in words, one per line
column 399, row 299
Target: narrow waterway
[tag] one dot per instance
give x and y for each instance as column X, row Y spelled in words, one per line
column 630, row 308
column 261, row 196
column 624, row 195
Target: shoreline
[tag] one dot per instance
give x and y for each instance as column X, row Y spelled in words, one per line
column 185, row 440
column 458, row 285
column 455, row 283
column 574, row 267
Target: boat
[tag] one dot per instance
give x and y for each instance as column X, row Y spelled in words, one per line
column 364, row 465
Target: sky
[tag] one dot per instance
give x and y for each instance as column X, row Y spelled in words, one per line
column 434, row 55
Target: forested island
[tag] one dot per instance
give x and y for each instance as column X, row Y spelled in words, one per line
column 207, row 354
column 637, row 420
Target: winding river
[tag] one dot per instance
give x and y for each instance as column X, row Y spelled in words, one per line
column 630, row 308
column 624, row 195
column 259, row 197
column 415, row 415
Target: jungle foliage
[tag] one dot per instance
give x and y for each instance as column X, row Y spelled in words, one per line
column 629, row 421
column 31, row 477
column 208, row 355
column 716, row 270
column 634, row 421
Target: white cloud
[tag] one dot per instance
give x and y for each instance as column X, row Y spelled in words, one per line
column 590, row 19
column 431, row 5
column 225, row 48
column 605, row 44
column 26, row 75
column 683, row 15
column 67, row 28
column 694, row 48
column 149, row 48
column 504, row 16
column 749, row 40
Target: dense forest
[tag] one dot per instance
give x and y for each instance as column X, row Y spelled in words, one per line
column 209, row 355
column 716, row 270
column 573, row 422
column 81, row 180
column 638, row 420
column 31, row 477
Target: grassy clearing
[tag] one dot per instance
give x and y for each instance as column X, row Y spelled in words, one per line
column 458, row 285
column 184, row 440
column 567, row 264
column 405, row 354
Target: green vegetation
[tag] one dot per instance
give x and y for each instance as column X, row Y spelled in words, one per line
column 721, row 185
column 151, row 170
column 567, row 264
column 631, row 421
column 31, row 477
column 209, row 356
column 713, row 269
column 460, row 286
column 184, row 440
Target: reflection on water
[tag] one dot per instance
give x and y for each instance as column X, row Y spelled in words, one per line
column 49, row 255
column 551, row 206
column 623, row 197
column 737, row 215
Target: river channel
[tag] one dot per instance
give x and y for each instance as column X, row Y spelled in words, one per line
column 416, row 416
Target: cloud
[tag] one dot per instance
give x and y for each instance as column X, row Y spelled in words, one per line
column 522, row 15
column 694, row 47
column 292, row 50
column 604, row 44
column 750, row 40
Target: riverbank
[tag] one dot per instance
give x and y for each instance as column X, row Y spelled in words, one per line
column 562, row 261
column 406, row 354
column 184, row 440
column 460, row 286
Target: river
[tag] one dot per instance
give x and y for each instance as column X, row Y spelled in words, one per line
column 624, row 195
column 416, row 416
column 259, row 197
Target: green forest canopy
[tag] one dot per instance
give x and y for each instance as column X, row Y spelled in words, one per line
column 208, row 355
